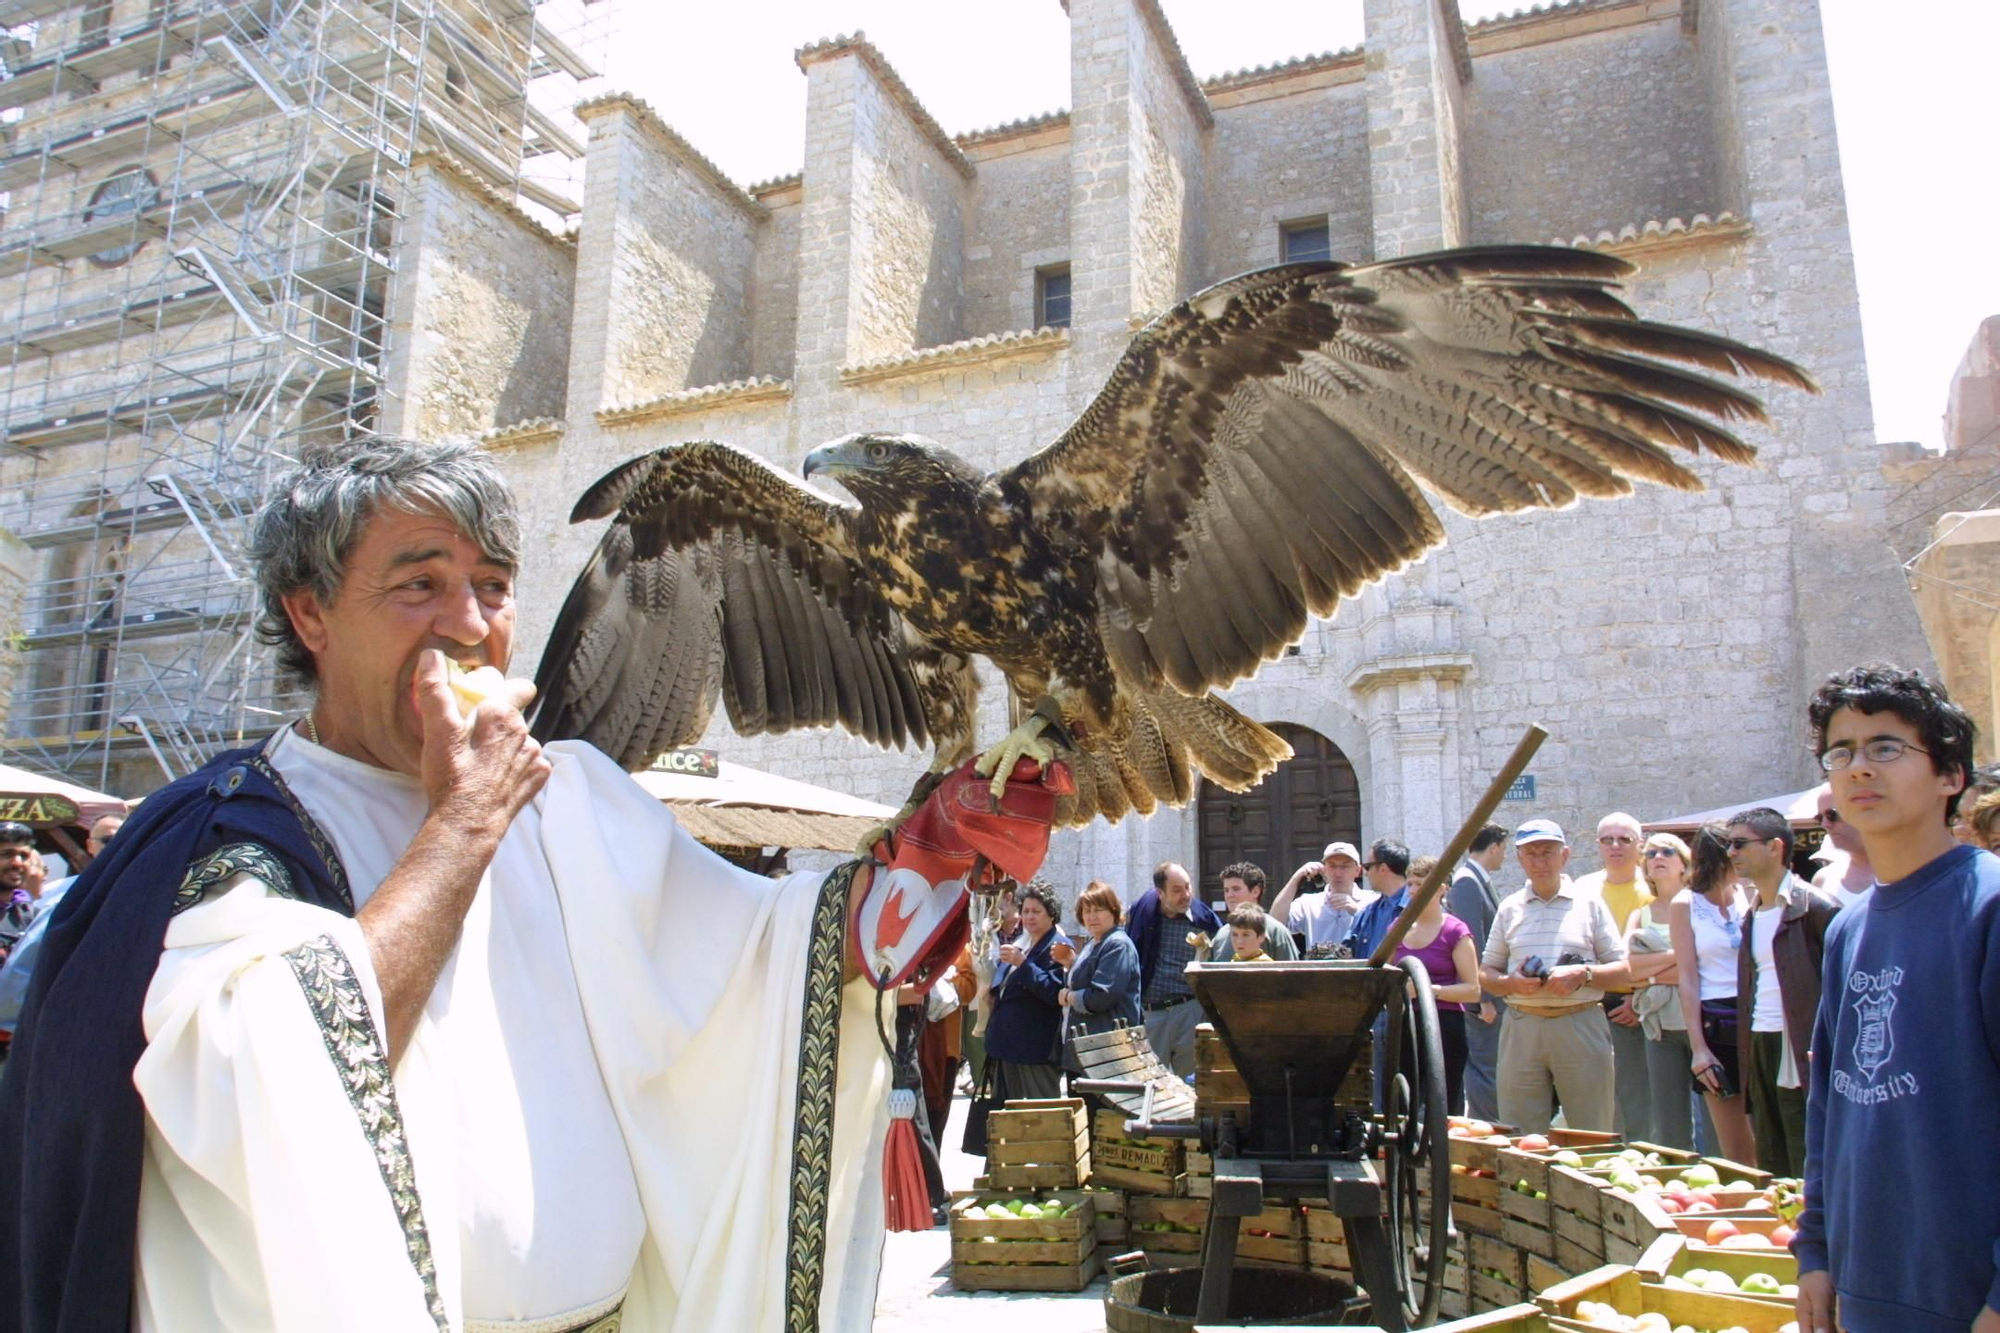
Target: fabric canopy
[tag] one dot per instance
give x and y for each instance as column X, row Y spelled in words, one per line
column 41, row 801
column 1800, row 807
column 745, row 807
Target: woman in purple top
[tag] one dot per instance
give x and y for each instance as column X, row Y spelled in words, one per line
column 1444, row 945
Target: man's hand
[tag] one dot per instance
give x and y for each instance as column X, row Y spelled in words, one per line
column 1564, row 980
column 1311, row 870
column 1815, row 1304
column 1489, row 1012
column 1518, row 984
column 1624, row 1016
column 480, row 769
column 1013, row 955
column 1986, row 1321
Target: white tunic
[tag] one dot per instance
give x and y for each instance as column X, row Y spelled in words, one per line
column 597, row 1103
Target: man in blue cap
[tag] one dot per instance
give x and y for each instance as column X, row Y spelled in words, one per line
column 1550, row 953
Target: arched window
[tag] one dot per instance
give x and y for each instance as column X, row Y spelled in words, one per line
column 129, row 191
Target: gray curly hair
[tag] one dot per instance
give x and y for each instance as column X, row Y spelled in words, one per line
column 304, row 537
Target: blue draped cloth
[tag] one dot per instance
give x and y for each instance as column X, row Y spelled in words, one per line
column 72, row 1126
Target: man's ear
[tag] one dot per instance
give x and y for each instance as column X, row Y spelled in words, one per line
column 308, row 618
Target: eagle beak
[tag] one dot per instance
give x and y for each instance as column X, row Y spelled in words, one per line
column 820, row 460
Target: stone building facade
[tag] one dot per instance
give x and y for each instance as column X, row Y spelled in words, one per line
column 1944, row 523
column 1667, row 641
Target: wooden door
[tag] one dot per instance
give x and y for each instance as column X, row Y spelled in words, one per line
column 1313, row 799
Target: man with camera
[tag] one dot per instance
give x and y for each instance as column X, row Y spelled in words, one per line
column 1551, row 952
column 1320, row 900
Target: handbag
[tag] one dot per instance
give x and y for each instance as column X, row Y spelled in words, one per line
column 983, row 1102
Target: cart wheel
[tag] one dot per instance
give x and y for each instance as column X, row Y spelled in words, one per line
column 1417, row 1112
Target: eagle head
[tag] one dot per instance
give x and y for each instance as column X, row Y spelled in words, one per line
column 892, row 469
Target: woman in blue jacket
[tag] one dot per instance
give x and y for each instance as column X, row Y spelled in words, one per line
column 1024, row 1037
column 1103, row 988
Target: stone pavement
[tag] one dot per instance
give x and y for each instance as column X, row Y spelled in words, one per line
column 916, row 1295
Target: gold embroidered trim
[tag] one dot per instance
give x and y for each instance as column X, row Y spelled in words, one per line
column 236, row 858
column 341, row 1009
column 321, row 844
column 812, row 1122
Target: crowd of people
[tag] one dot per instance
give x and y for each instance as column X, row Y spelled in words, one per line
column 1677, row 994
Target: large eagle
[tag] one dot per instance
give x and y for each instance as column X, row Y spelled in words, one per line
column 1259, row 452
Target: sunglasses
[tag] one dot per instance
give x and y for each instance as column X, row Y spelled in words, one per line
column 1615, row 840
column 1830, row 817
column 1738, row 844
column 1661, row 851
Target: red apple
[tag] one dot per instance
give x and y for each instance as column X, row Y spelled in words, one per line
column 1532, row 1143
column 1703, row 1196
column 1746, row 1240
column 1781, row 1236
column 1697, row 1206
column 1669, row 1204
column 1719, row 1230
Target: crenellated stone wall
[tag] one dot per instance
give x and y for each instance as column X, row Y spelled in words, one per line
column 1667, row 640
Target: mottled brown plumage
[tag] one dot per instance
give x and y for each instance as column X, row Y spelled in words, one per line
column 1260, row 452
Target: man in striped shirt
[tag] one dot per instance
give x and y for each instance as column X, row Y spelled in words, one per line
column 1551, row 952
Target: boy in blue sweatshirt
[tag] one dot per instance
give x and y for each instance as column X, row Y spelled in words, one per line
column 1901, row 1228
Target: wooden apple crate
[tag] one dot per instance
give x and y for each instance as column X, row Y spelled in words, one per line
column 1326, row 1240
column 1142, row 1165
column 1110, row 1206
column 1528, row 1237
column 1281, row 1244
column 1673, row 1256
column 1585, row 1233
column 1476, row 1154
column 1496, row 1274
column 1695, row 1225
column 1481, row 1190
column 1022, row 1253
column 1511, row 1319
column 1573, row 1258
column 1198, row 1182
column 1036, row 1145
column 1476, row 1220
column 1636, row 1218
column 1574, row 1190
column 1620, row 1287
column 1544, row 1273
column 1532, row 1165
column 1526, row 1207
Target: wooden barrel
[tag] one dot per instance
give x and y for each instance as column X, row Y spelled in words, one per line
column 1164, row 1301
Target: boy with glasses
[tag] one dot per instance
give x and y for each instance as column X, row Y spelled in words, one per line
column 1901, row 1231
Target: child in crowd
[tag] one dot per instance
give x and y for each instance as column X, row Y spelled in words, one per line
column 1248, row 927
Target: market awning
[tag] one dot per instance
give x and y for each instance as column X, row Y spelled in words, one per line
column 746, row 807
column 1800, row 807
column 41, row 801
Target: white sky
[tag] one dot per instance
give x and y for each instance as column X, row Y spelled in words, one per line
column 1913, row 126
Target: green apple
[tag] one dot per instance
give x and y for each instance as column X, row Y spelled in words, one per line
column 1700, row 1176
column 1763, row 1284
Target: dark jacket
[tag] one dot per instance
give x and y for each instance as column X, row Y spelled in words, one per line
column 1026, row 1027
column 1798, row 948
column 1472, row 900
column 1108, row 980
column 1142, row 923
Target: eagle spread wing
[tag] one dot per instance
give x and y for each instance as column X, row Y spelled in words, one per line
column 720, row 575
column 1258, row 452
column 1261, row 451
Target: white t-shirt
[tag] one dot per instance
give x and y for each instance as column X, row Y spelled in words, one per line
column 1768, row 1015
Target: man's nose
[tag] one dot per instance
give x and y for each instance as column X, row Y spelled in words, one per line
column 462, row 618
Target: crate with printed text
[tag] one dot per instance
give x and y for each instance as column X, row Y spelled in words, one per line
column 1039, row 1241
column 1038, row 1145
column 1123, row 1161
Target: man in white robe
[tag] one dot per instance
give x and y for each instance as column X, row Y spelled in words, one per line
column 561, row 1068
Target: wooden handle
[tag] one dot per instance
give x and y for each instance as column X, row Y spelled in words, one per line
column 1517, row 763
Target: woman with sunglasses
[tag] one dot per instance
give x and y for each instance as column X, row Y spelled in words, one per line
column 1656, row 997
column 1705, row 921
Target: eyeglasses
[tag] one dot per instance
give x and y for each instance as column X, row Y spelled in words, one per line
column 1615, row 840
column 1881, row 750
column 1738, row 844
column 1661, row 851
column 1370, row 865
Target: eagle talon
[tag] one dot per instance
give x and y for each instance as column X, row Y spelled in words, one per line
column 1023, row 742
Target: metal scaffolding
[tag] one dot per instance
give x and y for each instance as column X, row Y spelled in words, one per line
column 196, row 267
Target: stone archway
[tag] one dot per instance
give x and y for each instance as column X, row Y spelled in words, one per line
column 1313, row 799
